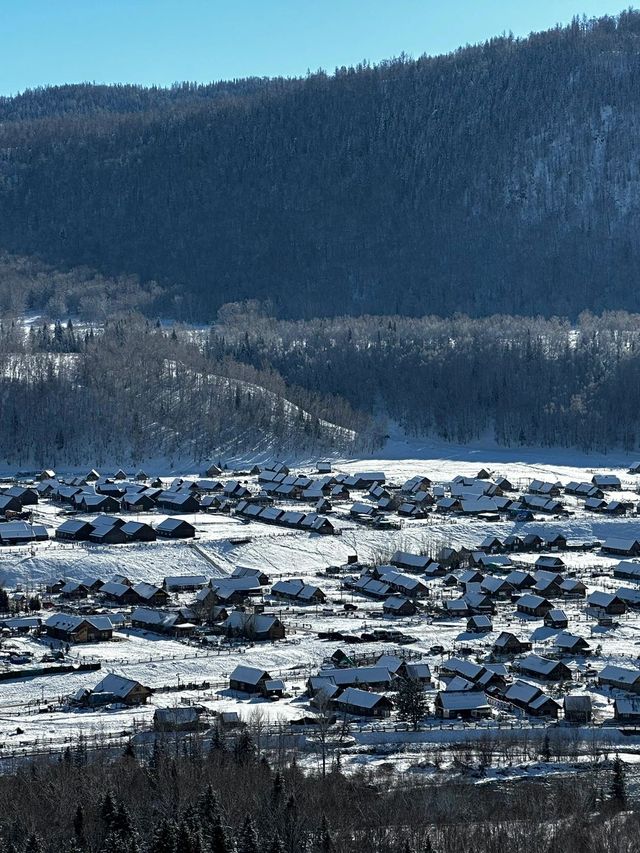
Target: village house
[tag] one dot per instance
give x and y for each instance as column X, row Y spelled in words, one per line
column 479, row 625
column 116, row 688
column 297, row 590
column 566, row 643
column 410, row 562
column 467, row 669
column 497, row 587
column 372, row 677
column 466, row 704
column 182, row 502
column 138, row 531
column 548, row 562
column 74, row 530
column 161, row 621
column 583, row 490
column 556, row 618
column 533, row 605
column 543, row 668
column 573, row 588
column 248, row 679
column 91, row 502
column 78, row 629
column 26, row 495
column 620, row 678
column 8, row 503
column 605, row 603
column 491, row 545
column 21, row 533
column 119, row 593
column 175, row 528
column 371, row 587
column 257, row 575
column 178, row 719
column 362, row 703
column 519, row 580
column 530, row 699
column 456, row 607
column 628, row 570
column 577, row 709
column 184, row 583
column 622, row 546
column 513, row 543
column 137, row 502
column 151, row 595
column 608, row 482
column 253, row 626
column 404, row 584
column 626, row 709
column 74, row 590
column 399, row 605
column 540, row 487
column 508, row 644
column 107, row 530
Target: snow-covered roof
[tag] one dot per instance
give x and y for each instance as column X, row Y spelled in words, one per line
column 69, row 622
column 116, row 685
column 538, row 665
column 359, row 698
column 621, row 674
column 466, row 700
column 248, row 674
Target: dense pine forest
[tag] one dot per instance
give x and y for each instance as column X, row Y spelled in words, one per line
column 501, row 178
column 228, row 798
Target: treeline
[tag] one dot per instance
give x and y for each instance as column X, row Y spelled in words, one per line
column 499, row 178
column 522, row 381
column 133, row 391
column 227, row 797
column 29, row 286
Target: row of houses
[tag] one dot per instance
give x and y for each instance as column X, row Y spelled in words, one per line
column 310, row 521
column 113, row 530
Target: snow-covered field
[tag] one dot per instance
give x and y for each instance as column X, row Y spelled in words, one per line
column 223, row 543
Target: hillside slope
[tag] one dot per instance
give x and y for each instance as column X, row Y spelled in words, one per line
column 501, row 178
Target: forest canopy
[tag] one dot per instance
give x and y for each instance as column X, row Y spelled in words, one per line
column 501, row 178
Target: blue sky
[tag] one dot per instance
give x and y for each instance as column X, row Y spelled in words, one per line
column 163, row 41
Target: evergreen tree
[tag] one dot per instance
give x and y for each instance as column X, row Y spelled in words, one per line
column 218, row 744
column 244, row 751
column 164, row 837
column 411, row 702
column 276, row 845
column 248, row 838
column 188, row 838
column 277, row 791
column 34, row 845
column 78, row 824
column 618, row 790
column 108, row 810
column 129, row 751
column 546, row 747
column 325, row 842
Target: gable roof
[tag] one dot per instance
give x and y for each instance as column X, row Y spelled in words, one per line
column 116, row 685
column 248, row 674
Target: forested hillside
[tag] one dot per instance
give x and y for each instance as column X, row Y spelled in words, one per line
column 132, row 391
column 501, row 178
column 520, row 381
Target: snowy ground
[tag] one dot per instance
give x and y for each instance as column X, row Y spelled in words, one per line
column 224, row 543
